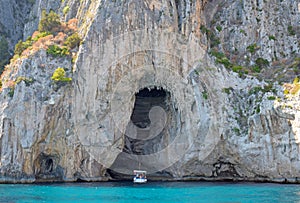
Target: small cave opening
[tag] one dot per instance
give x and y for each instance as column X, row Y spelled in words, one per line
column 48, row 165
column 152, row 128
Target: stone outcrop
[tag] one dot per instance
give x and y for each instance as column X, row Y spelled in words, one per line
column 151, row 57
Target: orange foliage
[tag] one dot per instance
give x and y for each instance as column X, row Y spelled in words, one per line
column 10, row 83
column 5, row 73
column 35, row 34
column 42, row 43
column 60, row 38
column 288, row 86
column 27, row 52
column 63, row 31
column 72, row 24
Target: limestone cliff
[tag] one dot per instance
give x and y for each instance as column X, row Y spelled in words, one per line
column 183, row 89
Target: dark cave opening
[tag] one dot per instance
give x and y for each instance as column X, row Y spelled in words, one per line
column 49, row 165
column 146, row 99
column 150, row 130
column 150, row 105
column 46, row 167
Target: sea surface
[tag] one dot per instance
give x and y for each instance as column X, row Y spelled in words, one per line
column 150, row 192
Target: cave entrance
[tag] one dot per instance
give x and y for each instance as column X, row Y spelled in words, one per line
column 148, row 120
column 152, row 124
column 146, row 99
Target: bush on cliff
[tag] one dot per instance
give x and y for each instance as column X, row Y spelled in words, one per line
column 50, row 22
column 73, row 41
column 55, row 51
column 59, row 75
column 21, row 46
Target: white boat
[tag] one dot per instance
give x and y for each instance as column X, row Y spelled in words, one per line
column 139, row 176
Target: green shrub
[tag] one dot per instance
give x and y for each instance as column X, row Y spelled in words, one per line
column 49, row 22
column 291, row 30
column 59, row 75
column 258, row 109
column 285, row 92
column 204, row 29
column 296, row 66
column 262, row 62
column 237, row 68
column 266, row 88
column 256, row 68
column 221, row 58
column 21, row 46
column 240, row 70
column 217, row 54
column 227, row 90
column 243, row 31
column 225, row 61
column 296, row 80
column 271, row 98
column 66, row 10
column 255, row 90
column 236, row 130
column 73, row 41
column 11, row 91
column 27, row 81
column 219, row 28
column 252, row 48
column 40, row 35
column 271, row 37
column 205, row 95
column 269, row 88
column 55, row 51
column 214, row 40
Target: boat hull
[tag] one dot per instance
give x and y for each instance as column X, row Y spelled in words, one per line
column 139, row 180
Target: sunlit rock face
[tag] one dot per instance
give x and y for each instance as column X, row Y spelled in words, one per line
column 145, row 94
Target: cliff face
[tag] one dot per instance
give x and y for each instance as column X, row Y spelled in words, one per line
column 147, row 93
column 14, row 15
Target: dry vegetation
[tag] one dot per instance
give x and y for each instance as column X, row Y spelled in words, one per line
column 52, row 33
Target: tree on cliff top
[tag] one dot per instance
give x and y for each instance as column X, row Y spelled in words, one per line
column 49, row 22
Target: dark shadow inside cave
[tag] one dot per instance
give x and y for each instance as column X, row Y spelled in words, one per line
column 145, row 99
column 48, row 165
column 46, row 168
column 140, row 139
column 150, row 130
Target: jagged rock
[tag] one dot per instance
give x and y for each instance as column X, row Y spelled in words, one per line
column 208, row 123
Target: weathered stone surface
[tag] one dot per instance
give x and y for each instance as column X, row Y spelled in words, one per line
column 244, row 23
column 210, row 123
column 12, row 19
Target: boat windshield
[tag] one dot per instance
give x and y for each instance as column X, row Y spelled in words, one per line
column 140, row 174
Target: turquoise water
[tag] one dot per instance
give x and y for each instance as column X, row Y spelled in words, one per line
column 151, row 192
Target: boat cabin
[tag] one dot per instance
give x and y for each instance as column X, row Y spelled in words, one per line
column 139, row 176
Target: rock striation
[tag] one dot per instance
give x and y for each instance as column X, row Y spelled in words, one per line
column 147, row 93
